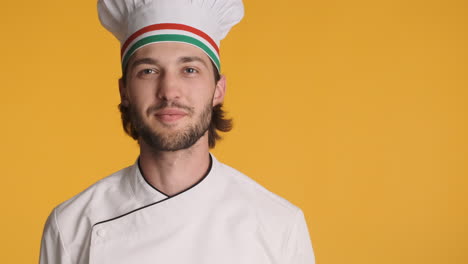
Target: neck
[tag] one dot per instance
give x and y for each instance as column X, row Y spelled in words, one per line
column 172, row 172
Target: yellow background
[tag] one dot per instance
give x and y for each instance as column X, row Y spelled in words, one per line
column 356, row 111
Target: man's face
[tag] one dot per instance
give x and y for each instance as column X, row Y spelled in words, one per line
column 170, row 91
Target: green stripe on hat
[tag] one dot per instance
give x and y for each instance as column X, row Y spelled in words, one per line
column 170, row 37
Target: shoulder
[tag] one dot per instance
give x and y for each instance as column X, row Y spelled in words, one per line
column 271, row 209
column 108, row 189
column 275, row 217
column 69, row 223
column 259, row 193
column 99, row 201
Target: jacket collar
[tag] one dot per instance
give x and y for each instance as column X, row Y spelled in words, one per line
column 145, row 193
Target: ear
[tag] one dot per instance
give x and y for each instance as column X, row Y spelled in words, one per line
column 123, row 93
column 220, row 91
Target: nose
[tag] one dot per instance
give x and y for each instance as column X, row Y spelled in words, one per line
column 168, row 87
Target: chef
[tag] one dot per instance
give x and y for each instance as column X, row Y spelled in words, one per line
column 177, row 204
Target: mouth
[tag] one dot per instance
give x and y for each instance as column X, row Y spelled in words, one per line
column 170, row 114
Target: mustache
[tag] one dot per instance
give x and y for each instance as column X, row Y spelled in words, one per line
column 167, row 104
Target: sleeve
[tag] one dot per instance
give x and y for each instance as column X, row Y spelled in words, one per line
column 52, row 247
column 298, row 249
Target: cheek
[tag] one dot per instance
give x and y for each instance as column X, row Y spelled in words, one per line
column 139, row 92
column 197, row 91
column 205, row 98
column 140, row 104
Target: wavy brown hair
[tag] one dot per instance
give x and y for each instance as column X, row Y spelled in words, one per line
column 219, row 122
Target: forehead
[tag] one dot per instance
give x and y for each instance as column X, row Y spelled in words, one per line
column 167, row 52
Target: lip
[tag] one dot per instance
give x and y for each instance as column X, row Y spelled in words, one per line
column 170, row 114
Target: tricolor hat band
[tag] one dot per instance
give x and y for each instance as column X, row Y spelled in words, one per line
column 170, row 32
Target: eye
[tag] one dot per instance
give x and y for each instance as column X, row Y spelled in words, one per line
column 146, row 73
column 190, row 70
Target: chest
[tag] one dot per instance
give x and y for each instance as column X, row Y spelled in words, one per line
column 160, row 234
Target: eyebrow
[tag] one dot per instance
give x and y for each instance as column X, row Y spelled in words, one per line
column 186, row 59
column 183, row 59
column 144, row 61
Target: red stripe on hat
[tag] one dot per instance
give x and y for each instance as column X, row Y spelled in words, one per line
column 168, row 26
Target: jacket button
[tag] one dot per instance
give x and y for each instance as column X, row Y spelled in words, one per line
column 101, row 232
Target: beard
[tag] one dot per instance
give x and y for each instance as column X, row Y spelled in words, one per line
column 171, row 141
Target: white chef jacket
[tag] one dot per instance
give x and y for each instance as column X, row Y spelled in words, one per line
column 225, row 218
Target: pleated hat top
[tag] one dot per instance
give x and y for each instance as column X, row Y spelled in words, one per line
column 202, row 23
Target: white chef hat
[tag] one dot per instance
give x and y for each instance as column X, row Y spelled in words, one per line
column 202, row 23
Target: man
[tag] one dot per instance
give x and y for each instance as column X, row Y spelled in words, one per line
column 177, row 204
